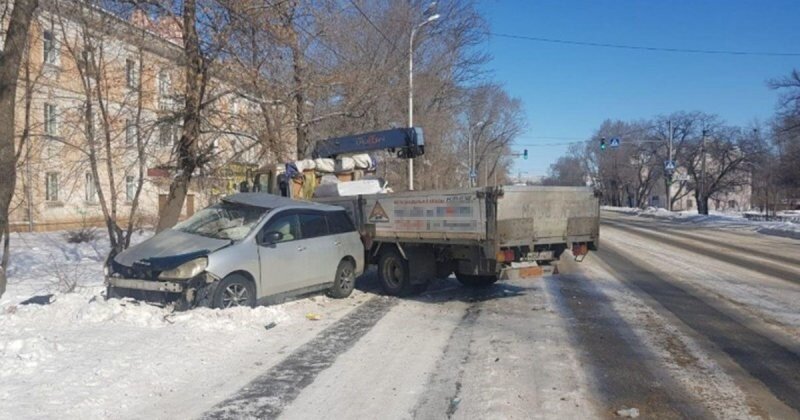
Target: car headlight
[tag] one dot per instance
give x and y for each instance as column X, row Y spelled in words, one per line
column 186, row 270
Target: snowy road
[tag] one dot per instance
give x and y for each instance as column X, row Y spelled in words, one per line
column 673, row 319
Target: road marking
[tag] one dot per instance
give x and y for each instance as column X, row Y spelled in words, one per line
column 267, row 395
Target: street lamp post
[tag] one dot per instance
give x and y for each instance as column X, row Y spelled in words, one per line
column 411, row 90
column 471, row 152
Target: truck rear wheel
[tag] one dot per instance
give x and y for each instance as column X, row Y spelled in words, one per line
column 470, row 280
column 394, row 274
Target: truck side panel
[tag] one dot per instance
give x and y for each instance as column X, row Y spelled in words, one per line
column 439, row 216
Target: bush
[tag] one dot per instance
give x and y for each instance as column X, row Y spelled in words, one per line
column 84, row 234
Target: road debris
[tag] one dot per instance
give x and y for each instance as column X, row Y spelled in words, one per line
column 628, row 412
column 313, row 317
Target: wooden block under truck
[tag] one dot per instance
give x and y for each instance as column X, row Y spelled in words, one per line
column 481, row 235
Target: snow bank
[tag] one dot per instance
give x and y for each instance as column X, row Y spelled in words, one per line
column 734, row 220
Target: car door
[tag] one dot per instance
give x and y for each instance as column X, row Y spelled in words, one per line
column 346, row 240
column 321, row 252
column 282, row 262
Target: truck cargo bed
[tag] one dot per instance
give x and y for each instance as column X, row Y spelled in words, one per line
column 505, row 216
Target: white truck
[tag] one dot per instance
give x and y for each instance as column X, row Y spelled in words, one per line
column 480, row 234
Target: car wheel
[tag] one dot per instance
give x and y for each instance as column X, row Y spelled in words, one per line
column 394, row 274
column 345, row 280
column 235, row 290
column 470, row 280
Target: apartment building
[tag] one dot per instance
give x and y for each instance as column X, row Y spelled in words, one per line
column 99, row 88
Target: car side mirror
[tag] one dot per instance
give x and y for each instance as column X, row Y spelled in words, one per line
column 272, row 237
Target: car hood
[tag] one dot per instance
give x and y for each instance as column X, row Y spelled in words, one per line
column 169, row 249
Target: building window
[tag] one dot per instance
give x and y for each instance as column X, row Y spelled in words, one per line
column 690, row 204
column 131, row 133
column 130, row 188
column 50, row 49
column 235, row 106
column 164, row 84
column 86, row 62
column 90, row 191
column 50, row 120
column 168, row 134
column 51, row 186
column 132, row 73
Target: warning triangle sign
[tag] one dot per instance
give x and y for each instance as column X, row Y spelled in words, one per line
column 378, row 215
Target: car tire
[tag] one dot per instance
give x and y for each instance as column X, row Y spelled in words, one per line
column 470, row 280
column 345, row 280
column 394, row 274
column 235, row 290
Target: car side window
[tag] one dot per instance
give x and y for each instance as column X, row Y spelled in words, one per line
column 313, row 225
column 339, row 222
column 288, row 225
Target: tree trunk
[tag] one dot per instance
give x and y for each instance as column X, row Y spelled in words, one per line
column 299, row 97
column 188, row 150
column 702, row 203
column 10, row 61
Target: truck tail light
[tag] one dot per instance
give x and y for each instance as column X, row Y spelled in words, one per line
column 505, row 255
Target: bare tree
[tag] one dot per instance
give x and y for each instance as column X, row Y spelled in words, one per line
column 568, row 170
column 190, row 154
column 88, row 40
column 786, row 129
column 10, row 61
column 717, row 161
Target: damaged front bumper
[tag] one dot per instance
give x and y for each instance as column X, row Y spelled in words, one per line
column 148, row 285
column 184, row 293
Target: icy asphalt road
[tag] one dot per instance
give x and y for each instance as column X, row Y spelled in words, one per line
column 675, row 321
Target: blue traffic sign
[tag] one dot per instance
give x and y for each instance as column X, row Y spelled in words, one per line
column 614, row 142
column 669, row 165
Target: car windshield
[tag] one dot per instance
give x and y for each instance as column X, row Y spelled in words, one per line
column 223, row 221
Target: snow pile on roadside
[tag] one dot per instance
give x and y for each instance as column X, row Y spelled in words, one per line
column 30, row 334
column 715, row 219
column 45, row 263
column 76, row 309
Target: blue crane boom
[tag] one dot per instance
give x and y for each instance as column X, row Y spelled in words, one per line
column 406, row 142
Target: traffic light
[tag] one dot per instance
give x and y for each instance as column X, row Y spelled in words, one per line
column 525, row 154
column 602, row 143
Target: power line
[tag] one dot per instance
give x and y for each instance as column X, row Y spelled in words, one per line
column 645, row 48
column 551, row 138
column 370, row 21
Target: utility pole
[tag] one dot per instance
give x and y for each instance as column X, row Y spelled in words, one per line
column 411, row 89
column 669, row 175
column 703, row 176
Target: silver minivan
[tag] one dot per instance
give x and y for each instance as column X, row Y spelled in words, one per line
column 251, row 248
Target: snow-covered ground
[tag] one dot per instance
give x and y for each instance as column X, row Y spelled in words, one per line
column 731, row 220
column 81, row 356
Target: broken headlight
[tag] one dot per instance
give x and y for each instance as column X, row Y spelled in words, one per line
column 186, row 270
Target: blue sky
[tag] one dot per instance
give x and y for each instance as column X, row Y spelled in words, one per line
column 569, row 90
